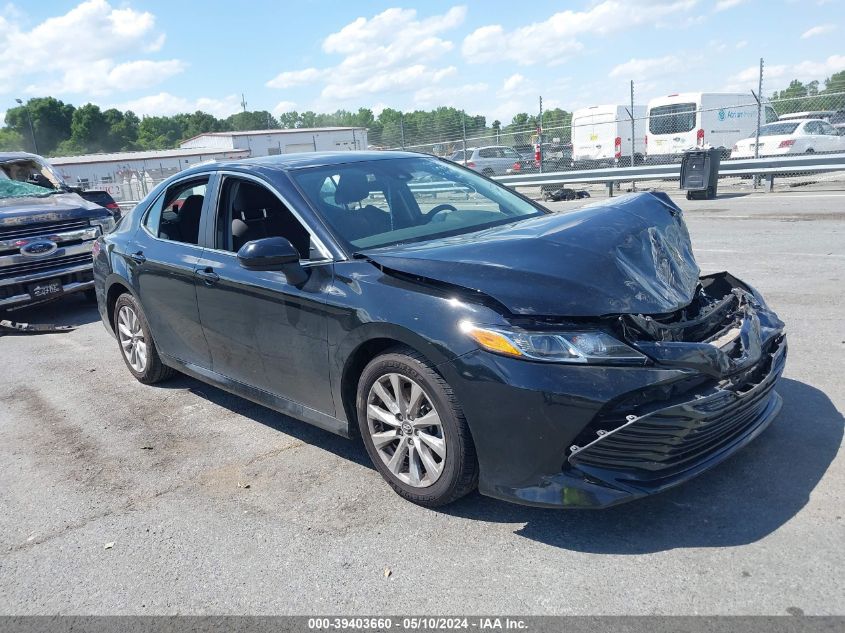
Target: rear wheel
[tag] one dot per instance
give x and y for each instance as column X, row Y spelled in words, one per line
column 136, row 344
column 414, row 429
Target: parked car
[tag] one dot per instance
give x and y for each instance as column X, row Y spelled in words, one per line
column 493, row 160
column 46, row 233
column 801, row 136
column 104, row 199
column 475, row 338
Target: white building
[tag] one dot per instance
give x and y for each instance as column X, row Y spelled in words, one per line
column 131, row 175
column 270, row 142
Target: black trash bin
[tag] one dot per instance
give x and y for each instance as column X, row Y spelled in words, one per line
column 700, row 173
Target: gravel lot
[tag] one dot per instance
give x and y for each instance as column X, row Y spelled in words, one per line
column 216, row 505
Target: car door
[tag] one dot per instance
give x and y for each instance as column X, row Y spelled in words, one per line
column 833, row 142
column 164, row 261
column 262, row 330
column 815, row 139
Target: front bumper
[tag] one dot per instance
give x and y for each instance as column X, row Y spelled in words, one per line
column 75, row 278
column 593, row 437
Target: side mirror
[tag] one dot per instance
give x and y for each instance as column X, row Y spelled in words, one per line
column 273, row 253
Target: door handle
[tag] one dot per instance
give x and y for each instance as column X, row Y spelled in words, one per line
column 138, row 257
column 207, row 275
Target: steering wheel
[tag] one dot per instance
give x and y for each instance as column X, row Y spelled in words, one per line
column 438, row 209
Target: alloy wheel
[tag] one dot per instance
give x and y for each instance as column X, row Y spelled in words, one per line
column 131, row 337
column 406, row 430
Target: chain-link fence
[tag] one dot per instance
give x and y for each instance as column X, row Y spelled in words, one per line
column 619, row 135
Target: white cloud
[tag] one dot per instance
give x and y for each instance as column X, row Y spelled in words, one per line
column 724, row 5
column 284, row 106
column 741, row 44
column 391, row 53
column 554, row 40
column 166, row 104
column 432, row 96
column 642, row 69
column 512, row 83
column 821, row 29
column 83, row 50
column 291, row 78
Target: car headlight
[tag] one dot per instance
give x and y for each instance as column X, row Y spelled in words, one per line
column 105, row 224
column 587, row 346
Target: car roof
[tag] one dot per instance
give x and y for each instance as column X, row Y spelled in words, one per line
column 7, row 156
column 290, row 162
column 286, row 162
column 795, row 121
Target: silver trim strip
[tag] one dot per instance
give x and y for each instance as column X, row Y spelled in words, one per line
column 66, row 251
column 47, row 274
column 66, row 289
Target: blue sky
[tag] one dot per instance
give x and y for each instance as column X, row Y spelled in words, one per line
column 493, row 58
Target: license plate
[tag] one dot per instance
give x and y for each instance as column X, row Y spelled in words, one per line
column 45, row 289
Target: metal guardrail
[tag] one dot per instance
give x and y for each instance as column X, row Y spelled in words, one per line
column 769, row 166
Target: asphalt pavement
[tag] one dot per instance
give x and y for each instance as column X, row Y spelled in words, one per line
column 119, row 498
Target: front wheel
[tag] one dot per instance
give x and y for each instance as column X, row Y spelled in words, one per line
column 414, row 429
column 136, row 343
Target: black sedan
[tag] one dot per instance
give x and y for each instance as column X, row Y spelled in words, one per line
column 469, row 335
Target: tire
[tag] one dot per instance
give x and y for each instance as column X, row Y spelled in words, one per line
column 145, row 364
column 435, row 479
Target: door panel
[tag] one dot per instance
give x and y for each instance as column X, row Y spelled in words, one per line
column 167, row 290
column 265, row 332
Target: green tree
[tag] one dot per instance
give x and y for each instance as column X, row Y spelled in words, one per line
column 51, row 120
column 257, row 120
column 835, row 83
column 89, row 129
column 159, row 132
column 11, row 140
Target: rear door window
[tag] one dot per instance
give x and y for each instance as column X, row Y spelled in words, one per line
column 175, row 215
column 672, row 119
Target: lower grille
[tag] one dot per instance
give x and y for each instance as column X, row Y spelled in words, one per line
column 46, row 265
column 669, row 441
column 42, row 228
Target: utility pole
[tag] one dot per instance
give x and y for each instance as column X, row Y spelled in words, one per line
column 759, row 98
column 402, row 128
column 31, row 128
column 540, row 135
column 633, row 134
column 243, row 102
column 464, row 134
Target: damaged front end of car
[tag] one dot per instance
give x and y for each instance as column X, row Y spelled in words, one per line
column 731, row 348
column 612, row 369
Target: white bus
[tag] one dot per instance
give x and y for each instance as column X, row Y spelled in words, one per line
column 601, row 135
column 680, row 122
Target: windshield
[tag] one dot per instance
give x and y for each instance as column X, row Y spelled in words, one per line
column 672, row 119
column 777, row 129
column 376, row 203
column 24, row 178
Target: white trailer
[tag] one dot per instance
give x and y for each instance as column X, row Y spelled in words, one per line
column 602, row 136
column 679, row 122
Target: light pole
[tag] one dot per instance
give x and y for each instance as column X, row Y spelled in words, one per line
column 31, row 129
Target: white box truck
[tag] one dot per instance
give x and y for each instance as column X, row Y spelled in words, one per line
column 679, row 122
column 601, row 136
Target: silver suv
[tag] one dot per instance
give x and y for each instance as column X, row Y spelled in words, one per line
column 493, row 160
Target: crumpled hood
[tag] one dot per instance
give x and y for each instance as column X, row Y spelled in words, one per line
column 54, row 208
column 626, row 255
